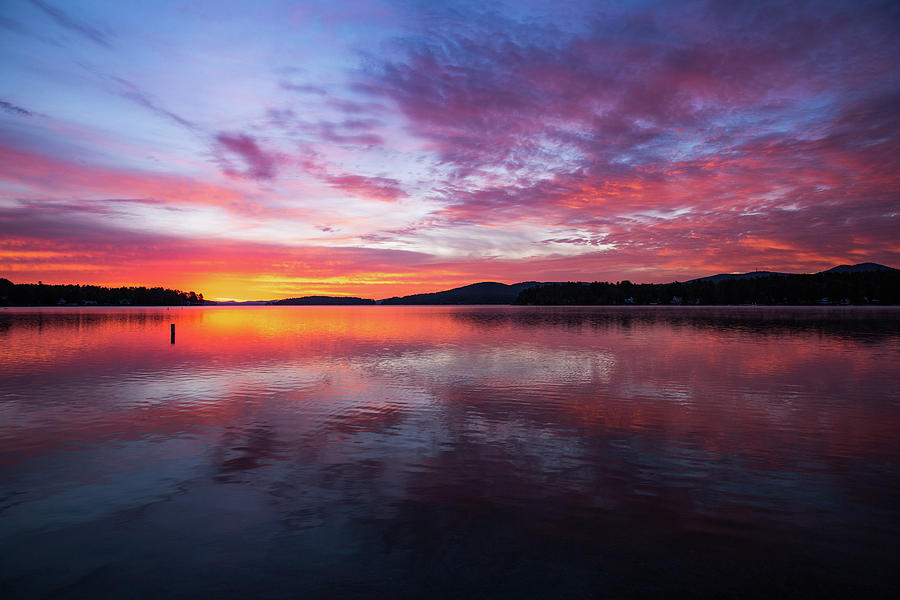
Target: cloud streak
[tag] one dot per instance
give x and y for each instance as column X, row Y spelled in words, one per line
column 13, row 109
column 64, row 20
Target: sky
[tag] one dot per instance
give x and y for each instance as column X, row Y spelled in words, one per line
column 375, row 148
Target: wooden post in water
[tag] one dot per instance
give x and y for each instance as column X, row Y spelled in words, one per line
column 173, row 332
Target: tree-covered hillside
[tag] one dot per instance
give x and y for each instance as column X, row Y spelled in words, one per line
column 38, row 294
column 876, row 287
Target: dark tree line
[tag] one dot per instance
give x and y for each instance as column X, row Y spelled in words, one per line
column 822, row 288
column 38, row 294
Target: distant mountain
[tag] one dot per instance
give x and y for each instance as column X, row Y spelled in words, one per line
column 304, row 301
column 486, row 292
column 798, row 290
column 235, row 302
column 867, row 267
column 729, row 276
column 323, row 301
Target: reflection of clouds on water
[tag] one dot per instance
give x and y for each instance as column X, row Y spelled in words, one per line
column 519, row 365
column 340, row 443
column 856, row 324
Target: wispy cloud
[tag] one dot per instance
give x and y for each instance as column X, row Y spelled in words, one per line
column 129, row 90
column 13, row 109
column 86, row 30
column 45, row 175
column 379, row 188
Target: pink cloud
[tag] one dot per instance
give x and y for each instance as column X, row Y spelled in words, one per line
column 378, row 188
column 55, row 176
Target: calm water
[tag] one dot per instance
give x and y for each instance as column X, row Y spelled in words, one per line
column 449, row 452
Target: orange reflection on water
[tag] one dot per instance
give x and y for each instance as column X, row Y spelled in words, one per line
column 742, row 383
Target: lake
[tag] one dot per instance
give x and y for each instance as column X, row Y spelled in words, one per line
column 449, row 452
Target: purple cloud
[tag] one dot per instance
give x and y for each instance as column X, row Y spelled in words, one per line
column 258, row 164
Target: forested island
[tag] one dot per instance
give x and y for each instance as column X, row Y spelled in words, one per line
column 827, row 288
column 324, row 301
column 39, row 294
